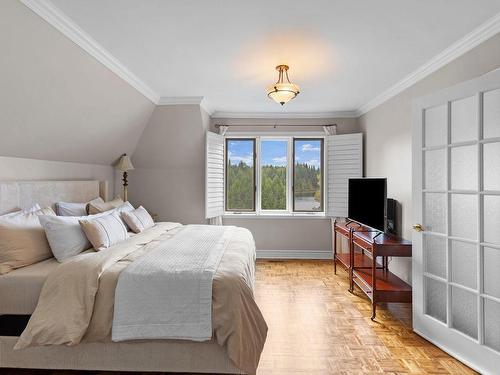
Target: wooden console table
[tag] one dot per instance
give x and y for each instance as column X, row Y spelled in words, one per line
column 366, row 246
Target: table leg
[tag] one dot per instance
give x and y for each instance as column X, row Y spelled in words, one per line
column 334, row 239
column 374, row 310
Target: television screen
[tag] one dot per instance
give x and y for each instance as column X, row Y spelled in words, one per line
column 368, row 201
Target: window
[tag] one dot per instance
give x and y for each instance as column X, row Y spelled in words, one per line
column 276, row 175
column 308, row 175
column 240, row 174
column 273, row 174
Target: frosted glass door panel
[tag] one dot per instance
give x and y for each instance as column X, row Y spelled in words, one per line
column 491, row 272
column 435, row 212
column 464, row 168
column 491, row 166
column 464, row 125
column 464, row 263
column 436, row 126
column 464, row 216
column 491, row 220
column 435, row 302
column 435, row 170
column 464, row 311
column 491, row 114
column 492, row 324
column 435, row 255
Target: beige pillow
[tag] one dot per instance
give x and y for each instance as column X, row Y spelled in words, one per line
column 138, row 219
column 23, row 241
column 104, row 231
column 97, row 206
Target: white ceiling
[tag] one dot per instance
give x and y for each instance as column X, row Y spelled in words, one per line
column 342, row 53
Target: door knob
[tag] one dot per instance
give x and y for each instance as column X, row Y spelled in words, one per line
column 418, row 227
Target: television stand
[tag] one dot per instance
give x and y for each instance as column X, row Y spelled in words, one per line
column 366, row 246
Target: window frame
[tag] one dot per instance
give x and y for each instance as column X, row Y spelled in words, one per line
column 289, row 137
column 322, row 168
column 226, row 161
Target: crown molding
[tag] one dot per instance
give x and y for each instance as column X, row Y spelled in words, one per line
column 186, row 100
column 482, row 33
column 180, row 100
column 286, row 115
column 65, row 25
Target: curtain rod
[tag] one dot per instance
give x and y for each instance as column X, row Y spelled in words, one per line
column 273, row 126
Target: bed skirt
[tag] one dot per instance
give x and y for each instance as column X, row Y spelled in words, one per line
column 158, row 355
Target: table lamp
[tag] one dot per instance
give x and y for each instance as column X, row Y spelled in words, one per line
column 124, row 165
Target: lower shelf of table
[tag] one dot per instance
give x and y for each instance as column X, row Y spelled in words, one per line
column 390, row 288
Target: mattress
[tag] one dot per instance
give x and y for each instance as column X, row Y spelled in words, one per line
column 20, row 289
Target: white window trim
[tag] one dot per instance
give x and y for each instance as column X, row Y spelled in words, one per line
column 288, row 213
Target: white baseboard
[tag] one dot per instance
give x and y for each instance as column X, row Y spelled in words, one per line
column 294, row 254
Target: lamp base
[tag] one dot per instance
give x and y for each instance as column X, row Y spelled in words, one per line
column 125, row 186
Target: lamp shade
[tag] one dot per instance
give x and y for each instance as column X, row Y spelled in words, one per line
column 124, row 164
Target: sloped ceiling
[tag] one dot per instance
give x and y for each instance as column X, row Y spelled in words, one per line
column 57, row 102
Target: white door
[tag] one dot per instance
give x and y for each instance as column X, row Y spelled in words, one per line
column 456, row 200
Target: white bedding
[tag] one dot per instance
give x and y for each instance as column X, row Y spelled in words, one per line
column 167, row 293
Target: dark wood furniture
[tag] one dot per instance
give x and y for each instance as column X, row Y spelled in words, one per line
column 367, row 262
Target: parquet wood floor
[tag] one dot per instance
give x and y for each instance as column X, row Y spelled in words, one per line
column 317, row 327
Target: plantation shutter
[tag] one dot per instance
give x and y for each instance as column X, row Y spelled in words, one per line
column 214, row 175
column 344, row 160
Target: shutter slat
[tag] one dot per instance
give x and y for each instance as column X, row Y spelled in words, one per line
column 344, row 161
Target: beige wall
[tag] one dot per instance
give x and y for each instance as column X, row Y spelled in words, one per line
column 58, row 102
column 31, row 169
column 301, row 234
column 387, row 130
column 169, row 175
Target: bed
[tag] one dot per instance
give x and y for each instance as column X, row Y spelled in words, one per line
column 20, row 292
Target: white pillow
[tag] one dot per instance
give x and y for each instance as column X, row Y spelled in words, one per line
column 65, row 235
column 71, row 209
column 138, row 219
column 105, row 231
column 124, row 207
column 28, row 210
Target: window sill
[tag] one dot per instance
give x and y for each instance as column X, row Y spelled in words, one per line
column 247, row 215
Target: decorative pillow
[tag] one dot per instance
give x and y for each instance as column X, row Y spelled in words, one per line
column 71, row 209
column 97, row 206
column 96, row 201
column 138, row 219
column 105, row 231
column 22, row 240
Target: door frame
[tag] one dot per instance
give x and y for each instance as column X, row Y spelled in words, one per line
column 472, row 353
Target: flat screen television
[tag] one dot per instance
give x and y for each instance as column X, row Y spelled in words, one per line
column 368, row 202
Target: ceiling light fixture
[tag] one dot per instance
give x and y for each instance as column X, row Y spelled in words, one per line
column 283, row 90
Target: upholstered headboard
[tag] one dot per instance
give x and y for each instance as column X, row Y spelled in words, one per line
column 23, row 194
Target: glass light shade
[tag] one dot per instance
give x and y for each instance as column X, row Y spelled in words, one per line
column 283, row 92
